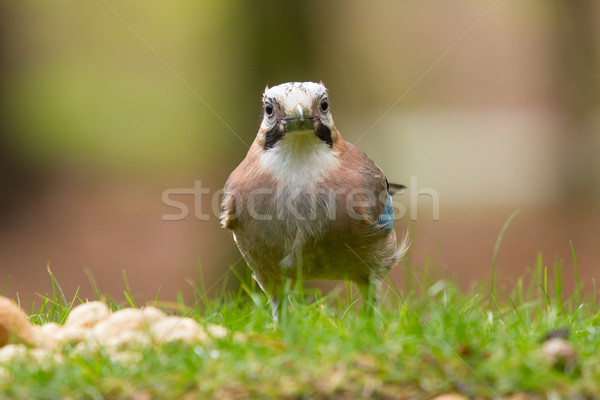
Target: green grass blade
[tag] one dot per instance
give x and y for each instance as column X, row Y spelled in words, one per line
column 56, row 286
column 157, row 296
column 558, row 284
column 578, row 283
column 497, row 250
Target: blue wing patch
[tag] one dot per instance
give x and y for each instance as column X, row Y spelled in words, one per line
column 387, row 216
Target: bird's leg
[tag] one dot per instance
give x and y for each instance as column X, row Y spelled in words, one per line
column 274, row 308
column 272, row 289
column 370, row 292
column 279, row 296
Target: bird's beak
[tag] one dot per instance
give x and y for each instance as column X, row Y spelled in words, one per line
column 298, row 121
column 300, row 112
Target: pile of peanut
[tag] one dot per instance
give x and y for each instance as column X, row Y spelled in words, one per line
column 124, row 334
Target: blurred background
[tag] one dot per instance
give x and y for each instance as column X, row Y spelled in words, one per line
column 493, row 106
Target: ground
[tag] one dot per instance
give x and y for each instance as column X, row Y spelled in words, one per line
column 431, row 338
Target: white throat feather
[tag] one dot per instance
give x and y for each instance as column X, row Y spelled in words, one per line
column 299, row 158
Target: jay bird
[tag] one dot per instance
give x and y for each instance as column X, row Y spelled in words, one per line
column 305, row 203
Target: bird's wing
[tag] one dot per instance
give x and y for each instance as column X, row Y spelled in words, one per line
column 360, row 172
column 228, row 206
column 235, row 187
column 242, row 182
column 386, row 218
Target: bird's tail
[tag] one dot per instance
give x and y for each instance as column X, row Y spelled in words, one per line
column 394, row 188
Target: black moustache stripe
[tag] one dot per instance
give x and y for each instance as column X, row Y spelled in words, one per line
column 324, row 133
column 275, row 134
column 272, row 136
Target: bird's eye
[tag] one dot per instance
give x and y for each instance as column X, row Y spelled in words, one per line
column 269, row 109
column 324, row 105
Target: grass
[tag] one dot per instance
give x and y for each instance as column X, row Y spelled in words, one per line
column 427, row 339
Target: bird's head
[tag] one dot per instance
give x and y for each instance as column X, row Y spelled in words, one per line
column 296, row 108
